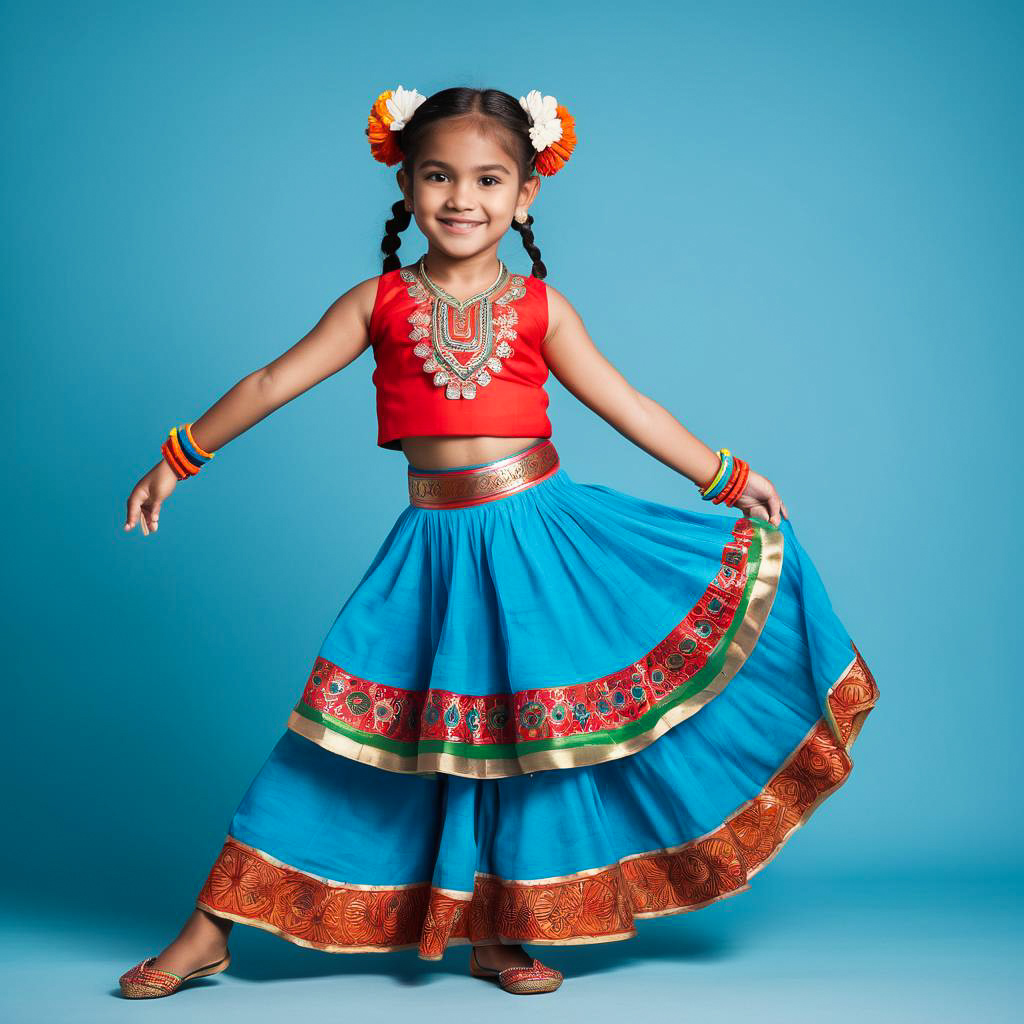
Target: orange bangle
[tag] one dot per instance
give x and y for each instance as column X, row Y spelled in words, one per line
column 188, row 434
column 735, row 493
column 187, row 464
column 743, row 486
column 733, row 480
column 736, row 485
column 168, row 454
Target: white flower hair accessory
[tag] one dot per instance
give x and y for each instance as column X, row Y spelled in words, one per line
column 402, row 104
column 545, row 126
column 552, row 130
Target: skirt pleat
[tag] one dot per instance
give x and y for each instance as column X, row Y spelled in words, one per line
column 542, row 718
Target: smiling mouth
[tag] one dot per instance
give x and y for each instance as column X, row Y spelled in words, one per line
column 461, row 227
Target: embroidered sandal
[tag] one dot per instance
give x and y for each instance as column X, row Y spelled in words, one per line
column 518, row 980
column 145, row 982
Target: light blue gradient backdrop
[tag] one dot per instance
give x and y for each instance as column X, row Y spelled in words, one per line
column 797, row 226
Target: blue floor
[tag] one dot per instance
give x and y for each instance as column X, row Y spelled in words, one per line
column 832, row 949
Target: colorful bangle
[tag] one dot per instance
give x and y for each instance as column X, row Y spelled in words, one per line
column 171, row 461
column 738, row 481
column 182, row 458
column 192, row 451
column 724, row 493
column 182, row 453
column 721, row 453
column 741, row 482
column 725, row 474
column 192, row 441
column 729, row 482
column 720, row 492
column 742, row 486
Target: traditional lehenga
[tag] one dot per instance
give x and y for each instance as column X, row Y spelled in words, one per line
column 547, row 710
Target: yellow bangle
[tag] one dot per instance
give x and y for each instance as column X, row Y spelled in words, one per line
column 721, row 453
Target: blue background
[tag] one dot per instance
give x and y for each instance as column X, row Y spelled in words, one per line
column 797, row 226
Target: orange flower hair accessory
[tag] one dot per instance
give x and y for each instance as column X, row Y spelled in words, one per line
column 552, row 130
column 389, row 114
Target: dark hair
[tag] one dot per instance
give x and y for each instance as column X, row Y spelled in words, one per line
column 495, row 109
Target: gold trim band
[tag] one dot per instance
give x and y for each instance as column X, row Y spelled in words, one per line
column 461, row 488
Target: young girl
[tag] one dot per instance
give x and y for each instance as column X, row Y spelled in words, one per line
column 548, row 708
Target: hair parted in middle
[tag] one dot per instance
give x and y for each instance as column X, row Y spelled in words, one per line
column 496, row 110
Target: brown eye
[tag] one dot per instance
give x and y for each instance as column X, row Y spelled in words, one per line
column 488, row 177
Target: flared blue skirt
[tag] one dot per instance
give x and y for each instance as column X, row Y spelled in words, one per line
column 539, row 718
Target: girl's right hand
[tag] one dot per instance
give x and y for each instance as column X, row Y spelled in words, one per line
column 148, row 495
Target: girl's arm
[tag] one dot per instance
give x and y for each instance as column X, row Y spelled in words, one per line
column 339, row 337
column 576, row 363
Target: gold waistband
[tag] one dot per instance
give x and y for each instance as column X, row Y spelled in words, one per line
column 461, row 487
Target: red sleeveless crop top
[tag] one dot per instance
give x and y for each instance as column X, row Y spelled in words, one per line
column 450, row 367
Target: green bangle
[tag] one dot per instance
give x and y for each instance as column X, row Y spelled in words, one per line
column 721, row 453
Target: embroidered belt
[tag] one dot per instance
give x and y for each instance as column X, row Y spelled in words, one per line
column 459, row 488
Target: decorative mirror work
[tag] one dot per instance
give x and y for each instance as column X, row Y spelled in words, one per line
column 463, row 343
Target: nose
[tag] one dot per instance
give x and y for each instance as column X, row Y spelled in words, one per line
column 461, row 196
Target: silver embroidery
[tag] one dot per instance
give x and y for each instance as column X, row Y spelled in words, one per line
column 464, row 326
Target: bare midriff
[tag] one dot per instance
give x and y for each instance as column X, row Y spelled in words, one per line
column 448, row 452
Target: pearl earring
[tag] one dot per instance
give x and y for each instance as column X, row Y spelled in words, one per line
column 521, row 216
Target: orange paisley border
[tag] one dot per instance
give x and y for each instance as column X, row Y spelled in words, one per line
column 595, row 905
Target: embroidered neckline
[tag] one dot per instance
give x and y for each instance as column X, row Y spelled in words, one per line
column 480, row 328
column 461, row 305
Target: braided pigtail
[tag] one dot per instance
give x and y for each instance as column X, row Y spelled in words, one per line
column 526, row 230
column 397, row 223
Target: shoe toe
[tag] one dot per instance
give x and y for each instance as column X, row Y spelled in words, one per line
column 537, row 977
column 144, row 981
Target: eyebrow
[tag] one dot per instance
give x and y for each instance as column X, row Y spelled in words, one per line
column 482, row 167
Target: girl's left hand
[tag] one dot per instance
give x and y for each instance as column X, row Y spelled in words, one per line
column 759, row 498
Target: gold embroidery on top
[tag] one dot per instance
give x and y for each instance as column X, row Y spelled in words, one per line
column 442, row 326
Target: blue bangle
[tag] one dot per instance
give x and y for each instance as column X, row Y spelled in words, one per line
column 723, row 482
column 717, row 476
column 188, row 448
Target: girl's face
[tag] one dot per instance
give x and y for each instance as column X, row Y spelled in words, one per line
column 465, row 189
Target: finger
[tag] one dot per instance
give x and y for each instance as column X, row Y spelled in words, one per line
column 759, row 511
column 774, row 501
column 785, row 511
column 134, row 503
column 154, row 516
